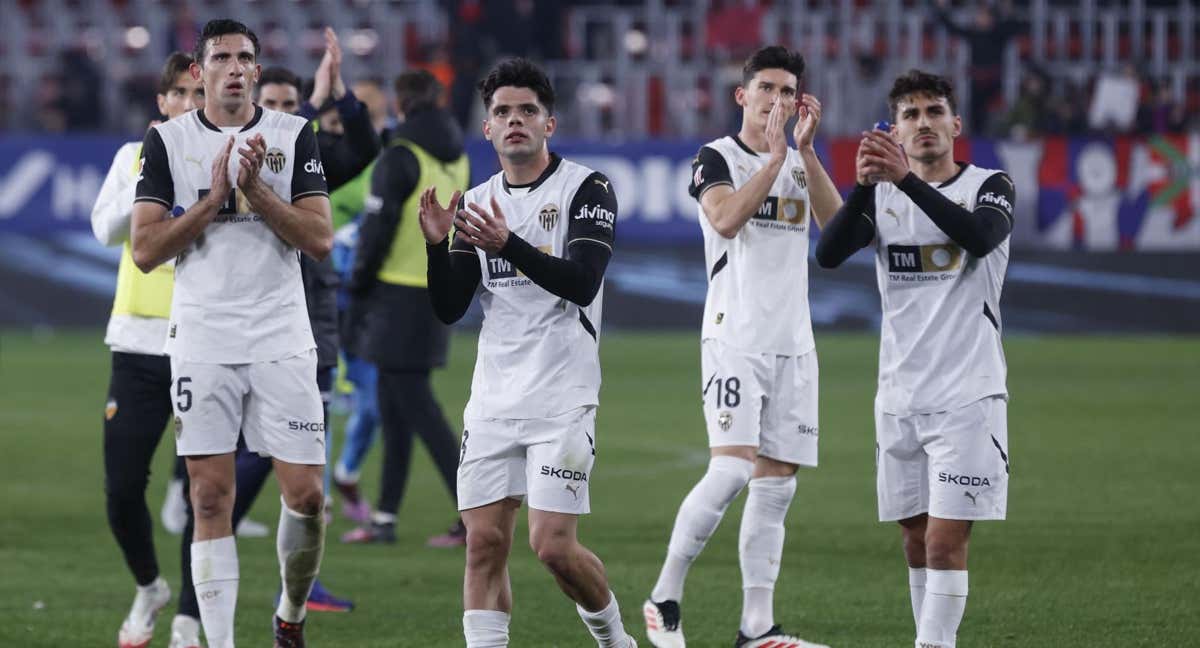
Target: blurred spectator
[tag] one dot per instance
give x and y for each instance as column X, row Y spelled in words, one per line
column 871, row 85
column 1066, row 114
column 1031, row 114
column 80, row 87
column 48, row 114
column 1114, row 105
column 374, row 96
column 989, row 33
column 735, row 27
column 183, row 30
column 1163, row 114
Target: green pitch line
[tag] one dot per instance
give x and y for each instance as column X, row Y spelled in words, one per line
column 1100, row 548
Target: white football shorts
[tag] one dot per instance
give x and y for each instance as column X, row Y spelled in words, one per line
column 761, row 399
column 276, row 405
column 952, row 465
column 549, row 460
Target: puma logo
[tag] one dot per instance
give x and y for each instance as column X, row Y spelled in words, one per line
column 574, row 490
column 602, row 183
column 893, row 214
column 970, row 496
column 188, row 158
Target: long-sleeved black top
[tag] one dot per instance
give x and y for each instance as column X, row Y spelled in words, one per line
column 978, row 231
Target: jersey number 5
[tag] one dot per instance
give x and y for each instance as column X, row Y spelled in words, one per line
column 185, row 395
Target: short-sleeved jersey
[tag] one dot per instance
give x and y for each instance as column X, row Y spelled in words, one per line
column 758, row 280
column 238, row 293
column 940, row 339
column 539, row 354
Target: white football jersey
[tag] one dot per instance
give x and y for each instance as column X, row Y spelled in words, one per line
column 758, row 280
column 940, row 340
column 238, row 294
column 539, row 354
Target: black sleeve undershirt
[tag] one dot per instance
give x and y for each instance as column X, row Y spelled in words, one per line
column 453, row 276
column 979, row 231
column 590, row 236
column 851, row 228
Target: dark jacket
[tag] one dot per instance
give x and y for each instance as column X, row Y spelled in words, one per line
column 343, row 157
column 400, row 331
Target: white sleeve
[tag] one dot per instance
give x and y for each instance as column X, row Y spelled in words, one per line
column 114, row 205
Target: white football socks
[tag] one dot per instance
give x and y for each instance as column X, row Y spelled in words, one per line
column 299, row 544
column 485, row 628
column 760, row 548
column 942, row 611
column 605, row 625
column 215, row 574
column 698, row 518
column 916, row 591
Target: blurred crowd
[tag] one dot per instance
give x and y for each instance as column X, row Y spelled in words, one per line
column 1125, row 98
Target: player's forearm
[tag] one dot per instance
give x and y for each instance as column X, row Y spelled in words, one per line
column 309, row 231
column 976, row 232
column 851, row 228
column 452, row 283
column 154, row 242
column 576, row 279
column 732, row 213
column 821, row 191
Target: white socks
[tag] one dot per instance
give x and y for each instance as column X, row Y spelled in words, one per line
column 485, row 628
column 215, row 574
column 916, row 591
column 942, row 611
column 299, row 543
column 605, row 625
column 698, row 518
column 760, row 548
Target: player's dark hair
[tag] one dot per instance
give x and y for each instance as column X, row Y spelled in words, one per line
column 280, row 75
column 221, row 27
column 922, row 83
column 417, row 89
column 518, row 73
column 773, row 57
column 177, row 63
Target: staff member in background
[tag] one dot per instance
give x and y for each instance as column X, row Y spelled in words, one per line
column 139, row 391
column 402, row 336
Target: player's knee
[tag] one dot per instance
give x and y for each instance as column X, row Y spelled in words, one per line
column 555, row 553
column 211, row 500
column 305, row 499
column 485, row 546
column 945, row 552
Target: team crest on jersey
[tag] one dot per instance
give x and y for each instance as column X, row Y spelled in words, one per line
column 275, row 159
column 110, row 409
column 798, row 176
column 725, row 420
column 548, row 217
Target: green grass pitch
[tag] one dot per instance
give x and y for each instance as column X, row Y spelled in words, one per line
column 1101, row 548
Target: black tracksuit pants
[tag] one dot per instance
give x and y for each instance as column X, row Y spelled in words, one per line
column 407, row 407
column 137, row 412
